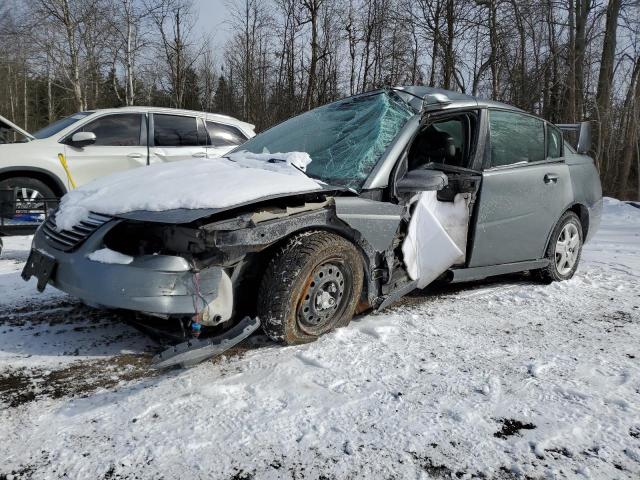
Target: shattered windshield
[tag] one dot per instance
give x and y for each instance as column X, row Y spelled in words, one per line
column 345, row 139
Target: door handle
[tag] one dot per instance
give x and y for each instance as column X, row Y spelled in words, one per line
column 135, row 155
column 199, row 154
column 551, row 178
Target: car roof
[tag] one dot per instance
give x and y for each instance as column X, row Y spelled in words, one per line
column 457, row 99
column 213, row 116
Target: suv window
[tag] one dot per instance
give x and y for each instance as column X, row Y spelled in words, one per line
column 175, row 131
column 119, row 130
column 554, row 142
column 221, row 135
column 515, row 138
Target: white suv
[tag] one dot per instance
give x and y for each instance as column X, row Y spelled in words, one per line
column 99, row 142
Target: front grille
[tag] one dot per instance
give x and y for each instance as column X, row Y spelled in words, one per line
column 67, row 240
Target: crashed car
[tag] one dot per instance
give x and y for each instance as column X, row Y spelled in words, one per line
column 341, row 209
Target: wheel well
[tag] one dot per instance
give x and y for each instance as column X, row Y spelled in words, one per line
column 253, row 269
column 44, row 177
column 583, row 215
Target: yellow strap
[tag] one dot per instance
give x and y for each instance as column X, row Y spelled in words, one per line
column 63, row 161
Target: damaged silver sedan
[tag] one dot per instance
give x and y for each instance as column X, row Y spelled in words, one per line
column 344, row 208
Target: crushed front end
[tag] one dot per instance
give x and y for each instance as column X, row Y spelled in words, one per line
column 151, row 268
column 166, row 269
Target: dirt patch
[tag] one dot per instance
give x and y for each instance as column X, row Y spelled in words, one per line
column 58, row 312
column 22, row 472
column 81, row 378
column 512, row 427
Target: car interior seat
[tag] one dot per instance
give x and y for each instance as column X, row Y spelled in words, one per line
column 433, row 146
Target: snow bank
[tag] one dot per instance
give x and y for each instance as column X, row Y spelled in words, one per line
column 200, row 183
column 107, row 255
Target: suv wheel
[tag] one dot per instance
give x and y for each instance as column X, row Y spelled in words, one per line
column 30, row 193
column 310, row 287
column 564, row 250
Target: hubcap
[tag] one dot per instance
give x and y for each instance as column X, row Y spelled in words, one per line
column 28, row 200
column 323, row 297
column 567, row 248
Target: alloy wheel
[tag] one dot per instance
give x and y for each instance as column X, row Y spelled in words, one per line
column 567, row 248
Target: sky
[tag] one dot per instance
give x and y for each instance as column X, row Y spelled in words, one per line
column 212, row 19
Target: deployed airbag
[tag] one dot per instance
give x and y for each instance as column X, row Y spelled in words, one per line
column 428, row 249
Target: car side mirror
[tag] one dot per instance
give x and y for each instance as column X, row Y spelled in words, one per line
column 422, row 180
column 583, row 131
column 584, row 138
column 82, row 139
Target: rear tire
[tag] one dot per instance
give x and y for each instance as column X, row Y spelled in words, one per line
column 310, row 287
column 563, row 251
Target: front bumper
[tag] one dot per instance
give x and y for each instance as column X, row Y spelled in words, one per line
column 157, row 284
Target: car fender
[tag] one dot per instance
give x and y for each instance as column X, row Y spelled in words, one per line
column 53, row 179
column 264, row 236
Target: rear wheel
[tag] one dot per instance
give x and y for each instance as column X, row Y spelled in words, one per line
column 311, row 286
column 564, row 250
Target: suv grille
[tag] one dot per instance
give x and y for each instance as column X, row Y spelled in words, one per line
column 67, row 240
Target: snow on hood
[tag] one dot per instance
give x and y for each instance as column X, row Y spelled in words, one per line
column 201, row 183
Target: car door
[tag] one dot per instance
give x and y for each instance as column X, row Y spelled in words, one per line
column 121, row 144
column 177, row 137
column 223, row 138
column 525, row 188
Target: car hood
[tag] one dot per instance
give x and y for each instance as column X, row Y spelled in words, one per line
column 5, row 122
column 189, row 189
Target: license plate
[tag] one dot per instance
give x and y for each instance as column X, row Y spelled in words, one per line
column 41, row 266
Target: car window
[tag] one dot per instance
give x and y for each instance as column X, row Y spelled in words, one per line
column 175, row 131
column 554, row 142
column 515, row 138
column 442, row 142
column 60, row 125
column 221, row 135
column 120, row 130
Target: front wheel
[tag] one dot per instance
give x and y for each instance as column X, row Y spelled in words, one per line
column 311, row 286
column 31, row 194
column 564, row 250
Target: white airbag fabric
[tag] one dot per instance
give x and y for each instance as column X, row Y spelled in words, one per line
column 453, row 216
column 428, row 249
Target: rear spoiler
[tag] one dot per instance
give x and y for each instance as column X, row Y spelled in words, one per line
column 581, row 131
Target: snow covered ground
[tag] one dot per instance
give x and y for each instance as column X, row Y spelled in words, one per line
column 497, row 379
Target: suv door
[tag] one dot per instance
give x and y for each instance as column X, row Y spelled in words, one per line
column 121, row 144
column 525, row 188
column 223, row 138
column 176, row 137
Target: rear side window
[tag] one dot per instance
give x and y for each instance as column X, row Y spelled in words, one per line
column 122, row 130
column 554, row 142
column 515, row 138
column 175, row 131
column 221, row 135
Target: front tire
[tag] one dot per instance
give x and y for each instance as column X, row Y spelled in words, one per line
column 31, row 193
column 564, row 250
column 310, row 287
